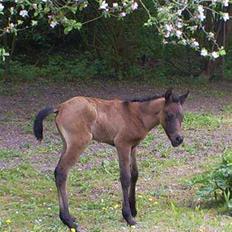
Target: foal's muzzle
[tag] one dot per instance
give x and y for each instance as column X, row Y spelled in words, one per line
column 177, row 141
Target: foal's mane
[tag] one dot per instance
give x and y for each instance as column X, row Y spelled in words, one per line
column 144, row 99
column 175, row 98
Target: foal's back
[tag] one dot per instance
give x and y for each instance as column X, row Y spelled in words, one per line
column 103, row 119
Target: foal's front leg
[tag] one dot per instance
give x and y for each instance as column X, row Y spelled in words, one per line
column 125, row 178
column 134, row 178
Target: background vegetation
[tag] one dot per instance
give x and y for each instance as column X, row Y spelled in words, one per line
column 106, row 48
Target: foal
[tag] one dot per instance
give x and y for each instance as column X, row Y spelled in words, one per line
column 122, row 124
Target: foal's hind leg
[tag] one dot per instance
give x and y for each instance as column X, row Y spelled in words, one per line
column 134, row 178
column 125, row 177
column 67, row 160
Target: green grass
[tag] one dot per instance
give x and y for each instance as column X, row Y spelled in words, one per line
column 165, row 202
column 148, row 140
column 228, row 108
column 9, row 154
column 28, row 199
column 198, row 121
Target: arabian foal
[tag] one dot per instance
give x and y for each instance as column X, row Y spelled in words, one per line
column 122, row 124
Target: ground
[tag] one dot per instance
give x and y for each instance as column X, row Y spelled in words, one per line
column 165, row 202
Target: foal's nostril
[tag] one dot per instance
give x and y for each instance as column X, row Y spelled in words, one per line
column 179, row 139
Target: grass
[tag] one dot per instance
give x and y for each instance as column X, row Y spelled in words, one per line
column 198, row 120
column 228, row 108
column 165, row 202
column 9, row 154
column 28, row 202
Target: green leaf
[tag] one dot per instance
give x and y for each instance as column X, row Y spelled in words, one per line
column 222, row 52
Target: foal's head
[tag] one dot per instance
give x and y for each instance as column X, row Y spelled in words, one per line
column 172, row 117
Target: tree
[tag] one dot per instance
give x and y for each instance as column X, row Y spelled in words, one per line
column 178, row 22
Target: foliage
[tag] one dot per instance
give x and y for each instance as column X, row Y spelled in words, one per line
column 179, row 21
column 218, row 182
column 184, row 22
column 59, row 68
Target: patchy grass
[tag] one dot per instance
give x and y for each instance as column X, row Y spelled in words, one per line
column 28, row 202
column 198, row 121
column 9, row 154
column 165, row 202
column 148, row 140
column 228, row 108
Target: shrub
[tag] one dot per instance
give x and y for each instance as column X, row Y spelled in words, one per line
column 217, row 183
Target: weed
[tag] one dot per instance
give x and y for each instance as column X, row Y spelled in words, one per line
column 217, row 182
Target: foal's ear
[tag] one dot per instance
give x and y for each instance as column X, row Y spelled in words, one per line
column 168, row 95
column 182, row 98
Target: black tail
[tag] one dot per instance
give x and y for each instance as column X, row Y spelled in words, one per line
column 38, row 123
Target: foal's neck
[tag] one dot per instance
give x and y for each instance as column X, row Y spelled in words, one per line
column 150, row 112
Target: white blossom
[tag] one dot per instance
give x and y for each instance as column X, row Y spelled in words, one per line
column 23, row 13
column 34, row 5
column 53, row 23
column 225, row 16
column 204, row 52
column 115, row 5
column 184, row 42
column 12, row 10
column 168, row 27
column 167, row 34
column 201, row 17
column 201, row 14
column 179, row 12
column 134, row 6
column 165, row 41
column 10, row 27
column 1, row 7
column 200, row 9
column 211, row 35
column 195, row 44
column 225, row 3
column 179, row 24
column 123, row 14
column 178, row 33
column 104, row 5
column 215, row 55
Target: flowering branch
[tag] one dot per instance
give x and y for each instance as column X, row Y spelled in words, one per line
column 177, row 21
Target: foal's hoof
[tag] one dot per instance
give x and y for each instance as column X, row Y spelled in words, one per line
column 77, row 229
column 131, row 221
column 74, row 227
column 69, row 221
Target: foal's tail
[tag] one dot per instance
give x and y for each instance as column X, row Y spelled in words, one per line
column 38, row 123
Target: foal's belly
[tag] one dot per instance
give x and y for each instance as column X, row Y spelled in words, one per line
column 103, row 134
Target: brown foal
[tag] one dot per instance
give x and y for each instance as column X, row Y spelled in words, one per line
column 122, row 124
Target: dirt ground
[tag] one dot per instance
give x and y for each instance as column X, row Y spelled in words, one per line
column 20, row 103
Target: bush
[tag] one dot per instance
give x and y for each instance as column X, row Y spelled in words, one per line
column 217, row 184
column 58, row 67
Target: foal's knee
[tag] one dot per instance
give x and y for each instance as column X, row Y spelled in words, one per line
column 60, row 176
